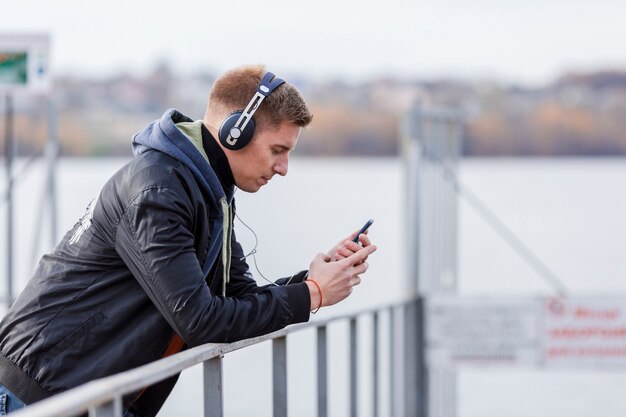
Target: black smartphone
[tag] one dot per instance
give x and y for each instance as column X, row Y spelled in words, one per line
column 363, row 229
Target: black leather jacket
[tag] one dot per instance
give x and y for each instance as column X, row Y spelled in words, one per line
column 126, row 279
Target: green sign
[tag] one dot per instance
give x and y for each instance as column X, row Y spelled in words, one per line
column 14, row 68
column 24, row 63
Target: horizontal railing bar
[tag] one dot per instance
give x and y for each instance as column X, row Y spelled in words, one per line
column 97, row 392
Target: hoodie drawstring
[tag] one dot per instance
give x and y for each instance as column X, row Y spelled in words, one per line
column 226, row 242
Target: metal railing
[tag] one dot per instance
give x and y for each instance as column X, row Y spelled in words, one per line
column 103, row 397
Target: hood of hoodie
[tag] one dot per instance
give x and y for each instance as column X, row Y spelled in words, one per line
column 163, row 135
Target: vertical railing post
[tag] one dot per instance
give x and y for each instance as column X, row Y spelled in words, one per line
column 392, row 364
column 353, row 367
column 52, row 156
column 213, row 387
column 415, row 380
column 8, row 164
column 111, row 408
column 279, row 372
column 322, row 373
column 375, row 383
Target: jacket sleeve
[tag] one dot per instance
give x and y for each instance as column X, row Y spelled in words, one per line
column 154, row 238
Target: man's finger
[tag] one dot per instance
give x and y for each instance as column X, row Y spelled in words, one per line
column 353, row 247
column 342, row 253
column 359, row 256
column 364, row 239
column 360, row 268
column 354, row 234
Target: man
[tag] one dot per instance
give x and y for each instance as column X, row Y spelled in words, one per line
column 154, row 267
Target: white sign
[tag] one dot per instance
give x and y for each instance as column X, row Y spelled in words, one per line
column 550, row 332
column 585, row 332
column 24, row 63
column 481, row 331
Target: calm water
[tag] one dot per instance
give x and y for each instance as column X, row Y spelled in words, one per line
column 570, row 212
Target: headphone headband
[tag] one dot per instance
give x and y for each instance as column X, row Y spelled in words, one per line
column 268, row 84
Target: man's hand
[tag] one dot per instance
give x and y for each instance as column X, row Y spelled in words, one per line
column 336, row 279
column 347, row 247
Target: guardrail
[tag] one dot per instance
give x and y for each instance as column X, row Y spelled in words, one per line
column 103, row 397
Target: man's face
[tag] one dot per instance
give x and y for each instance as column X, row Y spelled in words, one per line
column 267, row 154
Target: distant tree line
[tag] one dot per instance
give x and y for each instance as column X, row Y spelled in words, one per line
column 578, row 114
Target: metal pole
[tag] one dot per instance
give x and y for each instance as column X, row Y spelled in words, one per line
column 213, row 387
column 53, row 159
column 279, row 358
column 353, row 367
column 418, row 135
column 322, row 373
column 108, row 409
column 48, row 204
column 392, row 364
column 8, row 151
column 413, row 128
column 415, row 377
column 375, row 374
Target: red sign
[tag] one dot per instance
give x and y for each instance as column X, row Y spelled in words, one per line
column 585, row 332
column 553, row 332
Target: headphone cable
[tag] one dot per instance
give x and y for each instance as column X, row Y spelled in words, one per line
column 253, row 254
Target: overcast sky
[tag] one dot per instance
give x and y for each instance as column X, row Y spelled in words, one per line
column 525, row 41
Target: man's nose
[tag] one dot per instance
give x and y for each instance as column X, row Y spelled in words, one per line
column 282, row 166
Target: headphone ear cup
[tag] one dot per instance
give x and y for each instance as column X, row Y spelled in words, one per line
column 244, row 138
